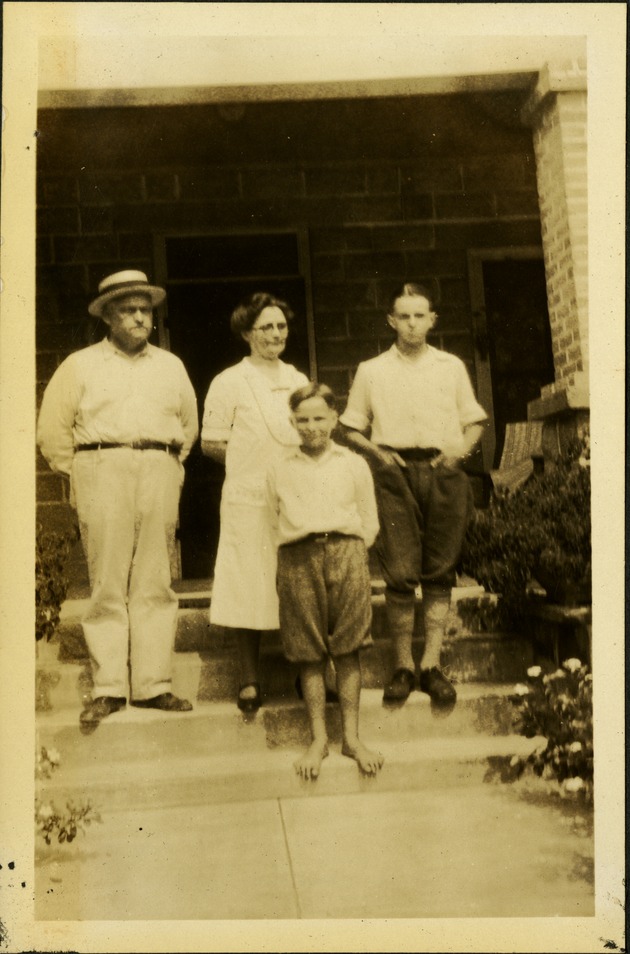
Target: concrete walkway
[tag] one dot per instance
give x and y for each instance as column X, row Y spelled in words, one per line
column 475, row 850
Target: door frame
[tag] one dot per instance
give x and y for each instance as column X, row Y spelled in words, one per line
column 304, row 265
column 161, row 278
column 476, row 259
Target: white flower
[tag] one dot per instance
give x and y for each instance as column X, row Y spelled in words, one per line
column 534, row 672
column 575, row 747
column 572, row 665
column 53, row 756
column 44, row 812
column 521, row 690
column 558, row 674
column 514, row 761
column 573, row 784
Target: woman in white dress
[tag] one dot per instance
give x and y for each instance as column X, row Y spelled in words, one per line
column 245, row 424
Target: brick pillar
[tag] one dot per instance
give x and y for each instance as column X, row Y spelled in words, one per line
column 556, row 110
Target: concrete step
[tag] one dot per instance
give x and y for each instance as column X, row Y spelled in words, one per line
column 219, row 727
column 195, row 633
column 205, row 663
column 143, row 758
column 211, row 675
column 187, row 780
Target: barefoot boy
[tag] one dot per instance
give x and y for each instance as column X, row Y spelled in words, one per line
column 323, row 498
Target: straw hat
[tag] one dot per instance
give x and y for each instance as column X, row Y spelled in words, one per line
column 129, row 282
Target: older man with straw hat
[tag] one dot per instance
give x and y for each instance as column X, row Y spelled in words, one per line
column 119, row 418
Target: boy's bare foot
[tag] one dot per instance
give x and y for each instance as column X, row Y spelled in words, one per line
column 369, row 762
column 309, row 764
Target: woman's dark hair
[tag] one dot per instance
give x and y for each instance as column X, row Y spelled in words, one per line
column 413, row 288
column 244, row 315
column 311, row 390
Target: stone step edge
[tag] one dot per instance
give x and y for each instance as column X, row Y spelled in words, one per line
column 277, row 763
column 72, row 609
column 467, row 693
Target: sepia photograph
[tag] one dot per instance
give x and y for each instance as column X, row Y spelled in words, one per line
column 312, row 477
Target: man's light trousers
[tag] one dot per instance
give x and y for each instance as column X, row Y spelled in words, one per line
column 127, row 505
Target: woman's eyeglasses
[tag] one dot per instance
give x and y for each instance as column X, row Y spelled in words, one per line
column 267, row 329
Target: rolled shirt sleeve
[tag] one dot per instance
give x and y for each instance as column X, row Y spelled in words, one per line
column 57, row 416
column 357, row 414
column 366, row 499
column 470, row 411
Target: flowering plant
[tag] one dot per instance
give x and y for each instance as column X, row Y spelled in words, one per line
column 558, row 706
column 50, row 820
column 538, row 533
column 51, row 584
column 66, row 824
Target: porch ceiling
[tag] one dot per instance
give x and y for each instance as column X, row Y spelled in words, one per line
column 310, row 131
column 274, row 92
column 124, row 69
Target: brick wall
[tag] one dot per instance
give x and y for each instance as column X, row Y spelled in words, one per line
column 372, row 223
column 560, row 145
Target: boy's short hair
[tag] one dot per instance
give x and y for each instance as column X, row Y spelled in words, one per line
column 413, row 288
column 311, row 390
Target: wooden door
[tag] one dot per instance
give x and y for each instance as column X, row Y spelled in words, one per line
column 206, row 277
column 513, row 352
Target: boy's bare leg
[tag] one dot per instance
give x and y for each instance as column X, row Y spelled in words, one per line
column 314, row 690
column 349, row 689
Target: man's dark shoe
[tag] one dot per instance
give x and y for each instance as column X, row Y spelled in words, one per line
column 99, row 708
column 402, row 683
column 165, row 701
column 436, row 685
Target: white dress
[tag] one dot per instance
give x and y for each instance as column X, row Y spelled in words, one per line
column 245, row 409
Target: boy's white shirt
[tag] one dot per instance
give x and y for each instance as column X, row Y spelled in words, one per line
column 333, row 492
column 413, row 403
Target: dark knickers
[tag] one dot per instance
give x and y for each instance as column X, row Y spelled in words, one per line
column 423, row 513
column 325, row 598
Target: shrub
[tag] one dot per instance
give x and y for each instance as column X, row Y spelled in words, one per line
column 50, row 822
column 558, row 706
column 51, row 585
column 64, row 825
column 538, row 533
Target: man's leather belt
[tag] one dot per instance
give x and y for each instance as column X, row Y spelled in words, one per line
column 173, row 449
column 414, row 453
column 323, row 538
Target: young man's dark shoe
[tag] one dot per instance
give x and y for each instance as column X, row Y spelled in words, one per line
column 436, row 685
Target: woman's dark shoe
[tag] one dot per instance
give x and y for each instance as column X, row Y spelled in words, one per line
column 249, row 703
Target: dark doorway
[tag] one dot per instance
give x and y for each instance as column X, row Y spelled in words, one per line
column 206, row 277
column 518, row 337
